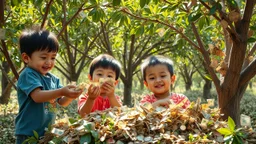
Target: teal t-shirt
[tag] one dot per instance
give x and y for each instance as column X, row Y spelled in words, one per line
column 32, row 115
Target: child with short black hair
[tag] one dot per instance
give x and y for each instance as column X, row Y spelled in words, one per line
column 38, row 90
column 158, row 75
column 104, row 72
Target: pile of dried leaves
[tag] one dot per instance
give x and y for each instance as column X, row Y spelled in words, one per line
column 144, row 124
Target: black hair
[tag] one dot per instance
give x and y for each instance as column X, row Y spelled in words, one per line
column 105, row 61
column 36, row 39
column 156, row 60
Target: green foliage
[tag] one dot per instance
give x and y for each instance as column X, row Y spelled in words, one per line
column 32, row 139
column 232, row 135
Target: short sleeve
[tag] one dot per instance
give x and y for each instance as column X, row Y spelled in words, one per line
column 28, row 82
column 119, row 100
column 178, row 98
column 81, row 100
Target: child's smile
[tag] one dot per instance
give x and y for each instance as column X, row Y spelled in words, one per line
column 158, row 80
column 41, row 61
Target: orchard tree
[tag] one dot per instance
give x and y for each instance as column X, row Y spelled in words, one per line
column 76, row 34
column 230, row 62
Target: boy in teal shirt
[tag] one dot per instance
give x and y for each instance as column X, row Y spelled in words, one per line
column 38, row 90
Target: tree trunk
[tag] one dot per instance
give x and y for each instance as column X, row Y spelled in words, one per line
column 207, row 89
column 232, row 108
column 4, row 80
column 4, row 99
column 127, row 92
column 188, row 84
column 6, row 87
column 141, row 85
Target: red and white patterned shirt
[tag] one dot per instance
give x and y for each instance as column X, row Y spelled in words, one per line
column 176, row 98
column 100, row 103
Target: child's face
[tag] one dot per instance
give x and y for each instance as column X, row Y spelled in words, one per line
column 103, row 73
column 158, row 80
column 41, row 61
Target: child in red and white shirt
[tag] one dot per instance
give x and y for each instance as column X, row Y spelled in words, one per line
column 101, row 97
column 158, row 75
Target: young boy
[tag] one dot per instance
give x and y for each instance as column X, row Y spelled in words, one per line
column 101, row 96
column 158, row 75
column 38, row 90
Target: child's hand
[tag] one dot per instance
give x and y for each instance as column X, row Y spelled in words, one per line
column 93, row 91
column 108, row 88
column 162, row 102
column 70, row 92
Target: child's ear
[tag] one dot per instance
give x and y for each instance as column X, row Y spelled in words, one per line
column 145, row 83
column 116, row 82
column 89, row 77
column 173, row 78
column 25, row 57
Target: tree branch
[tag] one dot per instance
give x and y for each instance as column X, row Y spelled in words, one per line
column 46, row 13
column 73, row 17
column 127, row 11
column 248, row 73
column 206, row 58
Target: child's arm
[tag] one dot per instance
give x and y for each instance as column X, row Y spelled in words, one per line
column 109, row 88
column 39, row 95
column 93, row 93
column 162, row 102
column 65, row 101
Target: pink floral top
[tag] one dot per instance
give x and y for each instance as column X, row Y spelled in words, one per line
column 176, row 98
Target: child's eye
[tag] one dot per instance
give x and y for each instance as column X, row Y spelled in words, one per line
column 110, row 76
column 99, row 74
column 163, row 76
column 151, row 78
column 53, row 58
column 43, row 57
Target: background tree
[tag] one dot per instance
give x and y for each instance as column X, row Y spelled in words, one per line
column 237, row 65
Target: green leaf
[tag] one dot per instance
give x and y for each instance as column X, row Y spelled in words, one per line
column 194, row 16
column 140, row 31
column 224, row 131
column 116, row 2
column 96, row 17
column 86, row 139
column 38, row 3
column 232, row 3
column 116, row 16
column 228, row 138
column 213, row 10
column 147, row 10
column 142, row 3
column 93, row 1
column 127, row 21
column 251, row 40
column 72, row 120
column 95, row 134
column 88, row 127
column 92, row 12
column 231, row 124
column 156, row 1
column 201, row 23
column 253, row 27
column 238, row 140
column 35, row 134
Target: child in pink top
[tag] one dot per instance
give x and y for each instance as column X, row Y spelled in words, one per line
column 158, row 77
column 101, row 97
